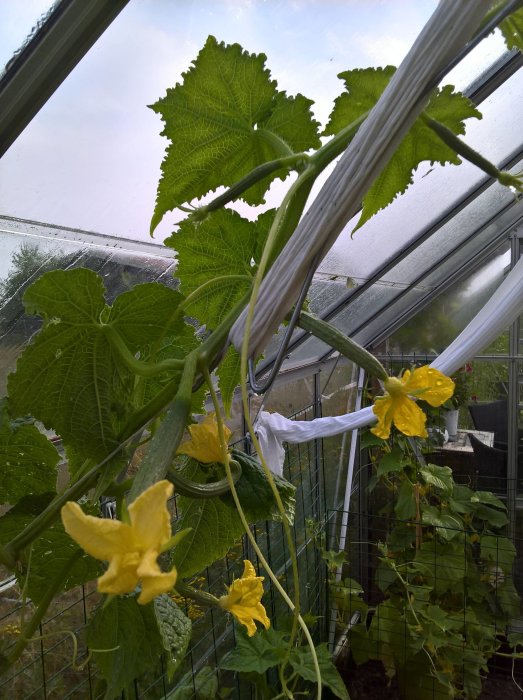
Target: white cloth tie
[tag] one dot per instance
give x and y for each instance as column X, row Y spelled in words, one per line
column 502, row 309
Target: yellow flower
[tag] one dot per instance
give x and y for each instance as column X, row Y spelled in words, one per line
column 243, row 599
column 204, row 445
column 398, row 407
column 131, row 549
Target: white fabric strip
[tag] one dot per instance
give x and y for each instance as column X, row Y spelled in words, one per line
column 502, row 309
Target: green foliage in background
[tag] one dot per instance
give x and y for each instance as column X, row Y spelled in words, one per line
column 444, row 575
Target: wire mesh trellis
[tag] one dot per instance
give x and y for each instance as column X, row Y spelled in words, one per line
column 413, row 617
column 47, row 670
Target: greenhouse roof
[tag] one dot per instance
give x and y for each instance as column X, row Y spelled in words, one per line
column 89, row 158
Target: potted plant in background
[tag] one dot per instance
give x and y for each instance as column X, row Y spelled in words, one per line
column 462, row 380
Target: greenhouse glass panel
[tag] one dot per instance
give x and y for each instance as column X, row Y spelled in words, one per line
column 467, row 227
column 432, row 329
column 32, row 249
column 498, row 135
column 96, row 142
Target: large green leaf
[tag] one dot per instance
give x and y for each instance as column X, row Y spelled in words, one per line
column 125, row 642
column 214, row 529
column 442, row 566
column 440, row 477
column 69, row 377
column 28, row 462
column 225, row 245
column 494, row 517
column 506, row 595
column 256, row 654
column 393, row 461
column 488, row 498
column 302, row 664
column 448, row 525
column 200, row 686
column 147, row 314
column 512, row 30
column 498, row 550
column 175, row 630
column 222, row 245
column 364, row 86
column 214, row 522
column 48, row 553
column 226, row 118
column 420, row 144
column 255, row 493
column 405, row 506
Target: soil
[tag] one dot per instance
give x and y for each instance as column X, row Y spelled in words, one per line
column 369, row 682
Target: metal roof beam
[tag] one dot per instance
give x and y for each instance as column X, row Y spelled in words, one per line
column 47, row 59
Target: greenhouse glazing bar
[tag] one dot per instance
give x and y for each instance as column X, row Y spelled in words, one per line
column 493, row 77
column 430, row 231
column 451, row 279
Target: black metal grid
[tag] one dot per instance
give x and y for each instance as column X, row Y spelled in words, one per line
column 46, row 671
column 504, row 677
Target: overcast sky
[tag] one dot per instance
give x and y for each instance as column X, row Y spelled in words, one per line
column 91, row 158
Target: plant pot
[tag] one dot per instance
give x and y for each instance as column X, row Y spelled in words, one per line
column 451, row 424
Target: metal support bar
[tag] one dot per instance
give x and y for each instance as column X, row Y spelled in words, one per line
column 43, row 64
column 513, row 396
column 346, row 503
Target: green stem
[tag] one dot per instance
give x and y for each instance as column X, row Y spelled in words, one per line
column 201, row 597
column 277, row 144
column 294, row 207
column 335, row 147
column 293, row 204
column 165, row 441
column 278, row 235
column 416, row 618
column 143, row 369
column 294, row 609
column 210, row 350
column 347, row 347
column 44, row 519
column 203, row 289
column 284, row 223
column 456, row 144
column 296, row 160
column 50, row 590
column 7, row 559
column 140, row 418
column 515, row 655
column 286, row 693
column 495, row 10
column 118, row 490
column 152, row 369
